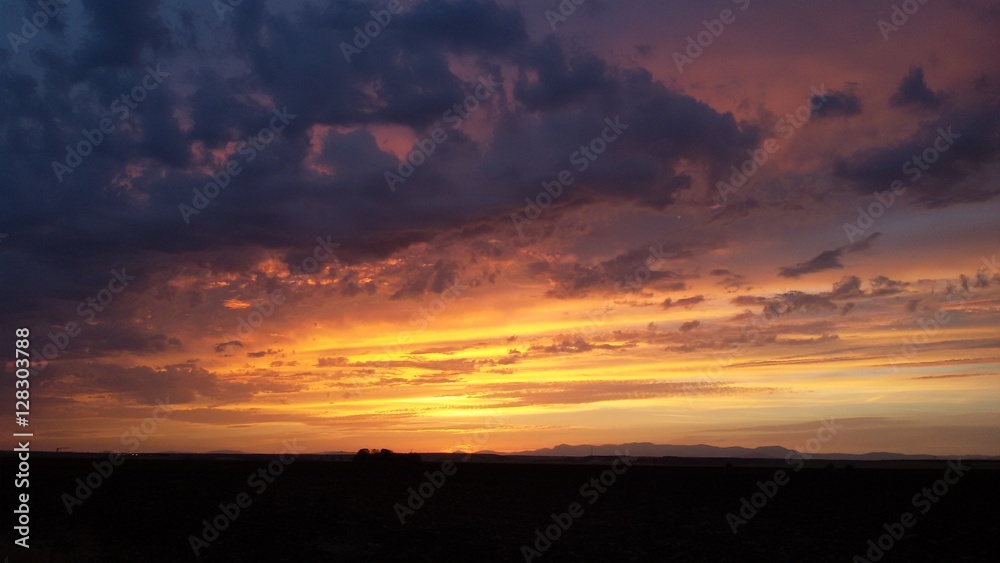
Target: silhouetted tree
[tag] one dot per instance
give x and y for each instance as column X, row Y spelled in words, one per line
column 385, row 456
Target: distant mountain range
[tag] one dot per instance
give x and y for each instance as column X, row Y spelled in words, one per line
column 647, row 449
column 635, row 449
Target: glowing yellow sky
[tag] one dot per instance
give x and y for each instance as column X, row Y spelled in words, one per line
column 610, row 367
column 634, row 309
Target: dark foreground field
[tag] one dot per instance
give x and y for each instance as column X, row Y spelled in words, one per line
column 341, row 511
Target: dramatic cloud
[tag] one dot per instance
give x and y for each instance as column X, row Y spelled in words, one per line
column 882, row 285
column 828, row 259
column 686, row 302
column 173, row 384
column 937, row 162
column 285, row 232
column 837, row 104
column 847, row 288
column 913, row 92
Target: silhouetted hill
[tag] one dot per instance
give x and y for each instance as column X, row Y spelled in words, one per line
column 647, row 449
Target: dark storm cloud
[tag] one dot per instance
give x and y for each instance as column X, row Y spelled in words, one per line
column 302, row 64
column 113, row 337
column 120, row 206
column 562, row 79
column 349, row 285
column 225, row 346
column 913, row 92
column 462, row 26
column 883, row 285
column 631, row 271
column 970, row 141
column 262, row 353
column 686, row 302
column 119, row 32
column 828, row 259
column 660, row 128
column 848, row 287
column 174, row 384
column 837, row 104
column 434, row 279
column 219, row 109
column 793, row 301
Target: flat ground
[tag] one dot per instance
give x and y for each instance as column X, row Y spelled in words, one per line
column 341, row 511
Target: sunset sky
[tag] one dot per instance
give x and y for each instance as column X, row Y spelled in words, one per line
column 652, row 300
